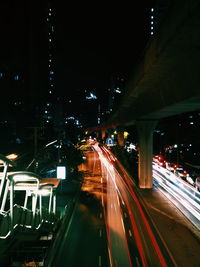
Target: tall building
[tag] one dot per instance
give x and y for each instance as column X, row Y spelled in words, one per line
column 157, row 13
column 48, row 108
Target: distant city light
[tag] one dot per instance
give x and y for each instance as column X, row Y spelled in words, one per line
column 16, row 77
column 152, row 9
column 12, row 156
column 118, row 91
column 91, row 96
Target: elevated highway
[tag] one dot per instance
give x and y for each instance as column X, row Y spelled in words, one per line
column 165, row 82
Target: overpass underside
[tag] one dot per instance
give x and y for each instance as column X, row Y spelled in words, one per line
column 166, row 81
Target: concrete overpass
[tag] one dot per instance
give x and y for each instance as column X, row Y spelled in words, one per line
column 166, row 81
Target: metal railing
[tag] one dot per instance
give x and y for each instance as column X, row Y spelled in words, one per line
column 22, row 201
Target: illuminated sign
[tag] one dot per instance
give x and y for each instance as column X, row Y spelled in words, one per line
column 61, row 172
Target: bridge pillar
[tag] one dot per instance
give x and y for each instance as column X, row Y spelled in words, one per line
column 120, row 138
column 145, row 134
column 103, row 133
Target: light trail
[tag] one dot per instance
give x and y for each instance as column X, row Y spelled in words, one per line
column 124, row 190
column 186, row 195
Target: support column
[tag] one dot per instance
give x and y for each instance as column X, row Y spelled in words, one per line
column 145, row 134
column 103, row 134
column 120, row 138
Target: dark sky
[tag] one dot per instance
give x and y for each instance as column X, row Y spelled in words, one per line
column 96, row 42
column 93, row 41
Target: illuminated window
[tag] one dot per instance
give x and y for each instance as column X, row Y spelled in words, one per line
column 16, row 77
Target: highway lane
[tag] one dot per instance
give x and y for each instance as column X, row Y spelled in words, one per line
column 149, row 249
column 84, row 240
column 108, row 226
column 184, row 195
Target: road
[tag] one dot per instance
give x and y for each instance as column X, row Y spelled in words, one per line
column 184, row 195
column 108, row 226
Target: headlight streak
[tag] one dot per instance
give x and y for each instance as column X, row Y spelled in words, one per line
column 177, row 178
column 111, row 171
column 188, row 189
column 134, row 226
column 113, row 218
column 180, row 194
column 149, row 230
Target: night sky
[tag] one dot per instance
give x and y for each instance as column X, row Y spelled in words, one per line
column 93, row 41
column 97, row 42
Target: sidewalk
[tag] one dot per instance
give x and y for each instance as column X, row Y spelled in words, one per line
column 180, row 235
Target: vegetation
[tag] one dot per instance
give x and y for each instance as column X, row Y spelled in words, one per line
column 128, row 159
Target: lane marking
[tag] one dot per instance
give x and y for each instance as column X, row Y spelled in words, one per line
column 137, row 261
column 99, row 260
column 118, row 200
column 122, row 224
column 110, row 257
column 100, row 232
column 102, row 200
column 130, row 232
